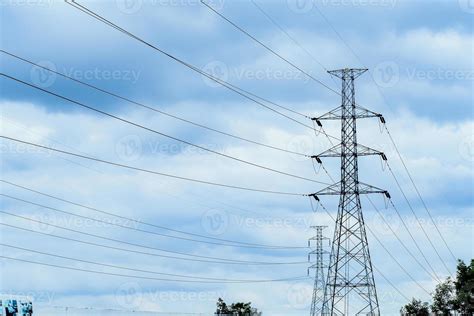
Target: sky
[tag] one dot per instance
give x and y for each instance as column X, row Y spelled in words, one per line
column 420, row 60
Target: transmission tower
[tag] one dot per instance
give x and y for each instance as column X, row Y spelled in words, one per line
column 350, row 286
column 319, row 266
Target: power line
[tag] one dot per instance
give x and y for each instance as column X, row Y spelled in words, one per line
column 240, row 245
column 133, row 220
column 133, row 269
column 417, row 219
column 434, row 275
column 418, row 192
column 192, row 256
column 386, row 250
column 151, row 171
column 268, row 48
column 244, row 93
column 405, row 226
column 158, row 132
column 274, row 22
column 153, row 108
column 390, row 136
column 140, row 277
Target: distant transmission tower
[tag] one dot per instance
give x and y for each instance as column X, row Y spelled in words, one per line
column 320, row 267
column 350, row 286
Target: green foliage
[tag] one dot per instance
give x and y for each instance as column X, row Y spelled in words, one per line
column 416, row 307
column 464, row 286
column 449, row 296
column 237, row 309
column 444, row 299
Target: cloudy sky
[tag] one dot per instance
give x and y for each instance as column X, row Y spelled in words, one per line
column 419, row 55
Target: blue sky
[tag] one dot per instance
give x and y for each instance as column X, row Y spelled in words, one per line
column 420, row 58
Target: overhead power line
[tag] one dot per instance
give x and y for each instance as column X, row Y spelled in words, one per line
column 135, row 220
column 268, row 48
column 244, row 93
column 133, row 269
column 154, row 108
column 141, row 277
column 386, row 250
column 158, row 132
column 192, row 257
column 274, row 22
column 418, row 219
column 151, row 171
column 389, row 134
column 418, row 193
column 435, row 275
column 239, row 245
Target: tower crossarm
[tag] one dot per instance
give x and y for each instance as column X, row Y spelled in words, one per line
column 337, row 114
column 362, row 188
column 336, row 151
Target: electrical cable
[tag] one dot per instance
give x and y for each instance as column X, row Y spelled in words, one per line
column 131, row 219
column 240, row 245
column 213, row 260
column 150, row 171
column 158, row 132
column 153, row 108
column 244, row 93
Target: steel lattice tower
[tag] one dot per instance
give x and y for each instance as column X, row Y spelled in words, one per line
column 350, row 286
column 319, row 266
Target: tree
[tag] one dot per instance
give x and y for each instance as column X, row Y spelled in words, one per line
column 242, row 309
column 464, row 285
column 235, row 309
column 443, row 298
column 416, row 307
column 222, row 308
